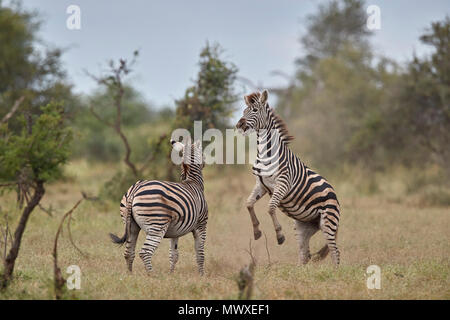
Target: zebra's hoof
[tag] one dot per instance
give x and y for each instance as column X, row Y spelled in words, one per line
column 280, row 239
column 257, row 235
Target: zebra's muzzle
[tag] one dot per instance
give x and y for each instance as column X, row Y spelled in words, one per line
column 242, row 125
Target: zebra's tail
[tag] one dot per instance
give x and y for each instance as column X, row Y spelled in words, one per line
column 116, row 239
column 322, row 253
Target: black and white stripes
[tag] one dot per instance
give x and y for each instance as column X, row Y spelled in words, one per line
column 167, row 210
column 298, row 191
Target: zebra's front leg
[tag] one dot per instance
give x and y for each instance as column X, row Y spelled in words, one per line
column 173, row 253
column 155, row 233
column 200, row 237
column 257, row 193
column 278, row 194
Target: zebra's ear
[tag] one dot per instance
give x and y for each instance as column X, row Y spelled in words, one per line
column 198, row 144
column 264, row 97
column 251, row 99
column 188, row 142
column 247, row 100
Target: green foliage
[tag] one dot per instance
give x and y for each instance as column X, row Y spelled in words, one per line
column 17, row 33
column 99, row 142
column 212, row 97
column 347, row 105
column 425, row 95
column 334, row 26
column 39, row 150
column 136, row 110
column 25, row 70
column 337, row 107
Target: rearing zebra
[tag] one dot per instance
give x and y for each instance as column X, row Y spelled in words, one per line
column 167, row 209
column 298, row 191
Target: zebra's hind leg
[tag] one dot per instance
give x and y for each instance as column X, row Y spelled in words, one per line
column 173, row 253
column 200, row 237
column 329, row 226
column 155, row 233
column 130, row 246
column 321, row 254
column 303, row 232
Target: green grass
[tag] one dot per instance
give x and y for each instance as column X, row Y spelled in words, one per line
column 409, row 242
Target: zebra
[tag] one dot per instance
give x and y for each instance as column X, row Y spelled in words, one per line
column 298, row 191
column 167, row 209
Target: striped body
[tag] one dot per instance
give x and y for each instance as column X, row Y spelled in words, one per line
column 165, row 209
column 295, row 189
column 180, row 205
column 308, row 193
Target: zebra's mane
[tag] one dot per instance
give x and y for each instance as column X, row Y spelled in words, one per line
column 253, row 98
column 282, row 127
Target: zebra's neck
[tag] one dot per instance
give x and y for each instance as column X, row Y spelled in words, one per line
column 195, row 178
column 273, row 137
column 272, row 143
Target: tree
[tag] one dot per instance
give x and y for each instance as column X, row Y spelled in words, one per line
column 99, row 142
column 337, row 26
column 25, row 71
column 348, row 105
column 337, row 88
column 334, row 26
column 212, row 96
column 426, row 94
column 113, row 83
column 28, row 160
column 117, row 103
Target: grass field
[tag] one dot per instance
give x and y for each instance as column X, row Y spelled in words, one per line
column 408, row 242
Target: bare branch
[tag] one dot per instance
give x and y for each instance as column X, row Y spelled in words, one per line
column 267, row 249
column 89, row 198
column 71, row 239
column 58, row 278
column 96, row 115
column 114, row 82
column 154, row 153
column 128, row 153
column 16, row 106
column 7, row 184
column 48, row 211
column 245, row 280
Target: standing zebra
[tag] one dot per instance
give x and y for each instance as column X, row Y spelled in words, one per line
column 167, row 209
column 298, row 191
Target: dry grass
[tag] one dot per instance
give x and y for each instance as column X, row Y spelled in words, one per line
column 410, row 244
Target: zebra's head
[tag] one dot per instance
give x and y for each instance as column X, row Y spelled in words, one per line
column 193, row 158
column 255, row 114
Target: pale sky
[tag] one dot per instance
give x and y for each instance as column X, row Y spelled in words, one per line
column 259, row 36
